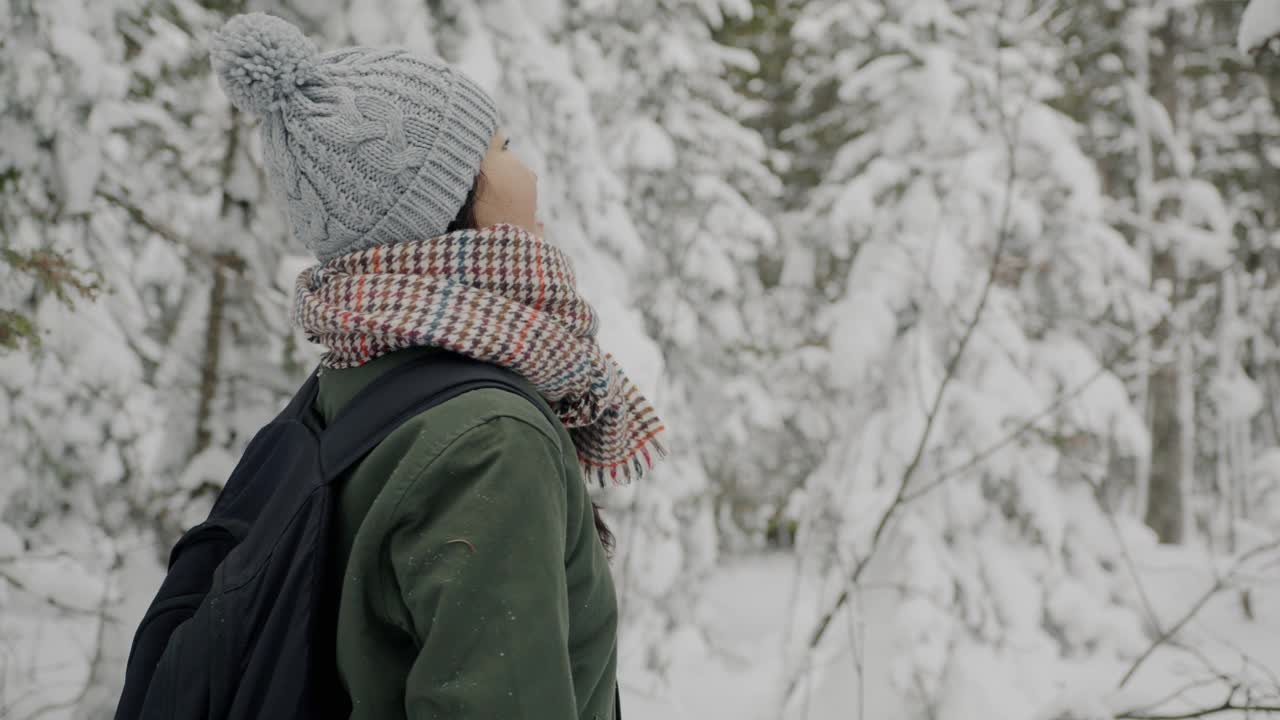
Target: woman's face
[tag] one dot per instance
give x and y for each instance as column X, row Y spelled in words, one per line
column 508, row 191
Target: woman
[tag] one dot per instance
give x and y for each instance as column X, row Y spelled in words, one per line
column 474, row 581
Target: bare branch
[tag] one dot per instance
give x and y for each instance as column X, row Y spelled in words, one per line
column 1132, row 566
column 856, row 647
column 953, row 364
column 157, row 227
column 1177, row 694
column 1205, row 712
column 1227, row 705
column 1168, row 637
column 52, row 602
column 1218, row 586
column 1080, row 388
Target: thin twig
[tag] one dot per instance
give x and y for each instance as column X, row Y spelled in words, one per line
column 1177, row 694
column 1167, row 637
column 951, row 367
column 1205, row 712
column 52, row 602
column 1218, row 586
column 1029, row 424
column 855, row 646
column 1132, row 566
column 158, row 227
column 1227, row 705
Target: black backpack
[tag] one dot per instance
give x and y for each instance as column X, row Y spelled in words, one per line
column 237, row 628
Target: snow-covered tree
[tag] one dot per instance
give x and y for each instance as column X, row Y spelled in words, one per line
column 696, row 178
column 122, row 153
column 1178, row 124
column 972, row 352
column 1258, row 26
column 938, row 285
column 122, row 157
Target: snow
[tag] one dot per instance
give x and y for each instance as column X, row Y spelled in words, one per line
column 975, row 687
column 79, row 169
column 1014, row 581
column 1016, row 594
column 1237, row 396
column 733, row 667
column 864, row 329
column 370, row 23
column 1075, row 705
column 1260, row 23
column 169, row 47
column 1221, row 636
column 481, row 63
column 291, row 266
column 10, row 542
column 1098, row 401
column 659, row 566
column 733, row 671
column 873, row 74
column 646, row 146
column 60, row 578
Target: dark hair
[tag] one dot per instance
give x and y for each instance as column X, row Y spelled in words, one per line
column 466, row 220
column 466, row 217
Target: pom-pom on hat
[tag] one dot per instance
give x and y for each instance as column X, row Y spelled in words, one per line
column 365, row 146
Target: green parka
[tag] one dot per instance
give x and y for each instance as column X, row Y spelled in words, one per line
column 473, row 585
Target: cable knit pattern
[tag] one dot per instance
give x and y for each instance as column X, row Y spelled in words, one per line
column 366, row 147
column 501, row 295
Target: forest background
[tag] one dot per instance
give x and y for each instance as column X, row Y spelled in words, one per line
column 965, row 317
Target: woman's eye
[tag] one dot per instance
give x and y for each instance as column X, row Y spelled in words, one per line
column 506, row 143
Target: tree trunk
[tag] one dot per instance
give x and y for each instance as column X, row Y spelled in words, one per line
column 1171, row 392
column 1144, row 189
column 1165, row 503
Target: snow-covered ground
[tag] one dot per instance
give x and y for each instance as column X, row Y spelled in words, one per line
column 736, row 668
column 753, row 607
column 941, row 183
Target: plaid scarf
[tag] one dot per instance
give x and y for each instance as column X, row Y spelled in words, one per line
column 501, row 295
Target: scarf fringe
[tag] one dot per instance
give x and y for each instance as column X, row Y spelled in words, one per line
column 631, row 468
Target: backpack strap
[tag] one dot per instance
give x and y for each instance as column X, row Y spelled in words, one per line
column 401, row 394
column 300, row 405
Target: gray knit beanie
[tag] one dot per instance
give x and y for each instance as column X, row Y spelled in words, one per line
column 366, row 147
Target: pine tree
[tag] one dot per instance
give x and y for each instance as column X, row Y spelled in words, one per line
column 158, row 190
column 697, row 190
column 1177, row 123
column 972, row 350
column 694, row 176
column 124, row 160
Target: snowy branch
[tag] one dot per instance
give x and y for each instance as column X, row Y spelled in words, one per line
column 96, row 654
column 139, row 216
column 50, row 601
column 1260, row 29
column 158, row 227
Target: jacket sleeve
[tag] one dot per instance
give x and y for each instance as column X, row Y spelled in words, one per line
column 477, row 548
